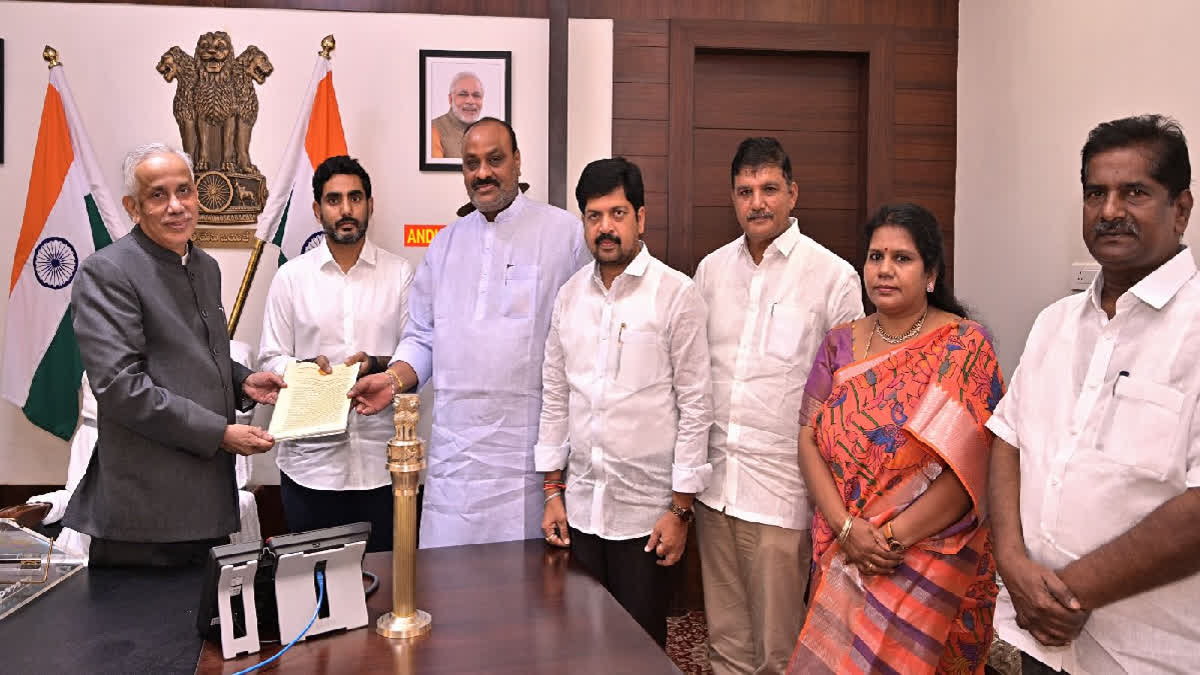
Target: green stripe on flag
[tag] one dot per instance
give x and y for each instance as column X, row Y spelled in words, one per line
column 100, row 236
column 278, row 240
column 53, row 402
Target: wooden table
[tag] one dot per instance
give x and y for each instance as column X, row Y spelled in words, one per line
column 514, row 607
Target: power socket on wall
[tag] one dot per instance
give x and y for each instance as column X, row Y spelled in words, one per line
column 1082, row 275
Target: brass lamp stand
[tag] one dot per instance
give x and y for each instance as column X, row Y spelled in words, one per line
column 406, row 458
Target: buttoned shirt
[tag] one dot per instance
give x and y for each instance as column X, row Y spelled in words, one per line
column 765, row 324
column 479, row 312
column 1104, row 414
column 313, row 309
column 627, row 400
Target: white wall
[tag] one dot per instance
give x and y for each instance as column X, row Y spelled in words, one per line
column 110, row 51
column 1033, row 78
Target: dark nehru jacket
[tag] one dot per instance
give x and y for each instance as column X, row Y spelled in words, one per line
column 153, row 338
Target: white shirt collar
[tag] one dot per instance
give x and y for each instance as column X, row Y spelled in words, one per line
column 1157, row 288
column 636, row 267
column 784, row 243
column 366, row 255
column 511, row 211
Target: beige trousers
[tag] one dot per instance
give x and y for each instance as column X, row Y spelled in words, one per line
column 755, row 577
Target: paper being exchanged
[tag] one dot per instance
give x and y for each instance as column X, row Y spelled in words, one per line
column 313, row 403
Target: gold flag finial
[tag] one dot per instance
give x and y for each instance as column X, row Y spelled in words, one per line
column 51, row 56
column 328, row 44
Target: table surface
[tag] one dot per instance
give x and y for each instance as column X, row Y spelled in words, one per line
column 513, row 607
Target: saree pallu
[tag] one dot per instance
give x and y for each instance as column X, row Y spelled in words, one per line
column 888, row 426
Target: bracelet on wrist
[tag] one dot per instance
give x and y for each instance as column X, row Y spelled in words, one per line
column 397, row 384
column 683, row 514
column 846, row 527
column 552, row 495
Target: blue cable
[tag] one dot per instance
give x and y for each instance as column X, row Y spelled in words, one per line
column 320, row 599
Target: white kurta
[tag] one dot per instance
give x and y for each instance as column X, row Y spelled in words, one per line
column 479, row 311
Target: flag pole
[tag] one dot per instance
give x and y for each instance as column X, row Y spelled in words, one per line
column 327, row 46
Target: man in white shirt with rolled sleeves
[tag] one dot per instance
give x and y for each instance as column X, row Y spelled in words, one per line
column 1095, row 469
column 344, row 301
column 772, row 294
column 626, row 403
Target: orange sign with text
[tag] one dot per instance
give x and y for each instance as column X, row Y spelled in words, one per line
column 420, row 235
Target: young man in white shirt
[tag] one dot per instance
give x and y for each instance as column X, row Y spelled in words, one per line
column 772, row 294
column 1095, row 474
column 626, row 403
column 344, row 301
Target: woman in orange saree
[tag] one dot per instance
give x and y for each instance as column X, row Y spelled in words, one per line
column 895, row 455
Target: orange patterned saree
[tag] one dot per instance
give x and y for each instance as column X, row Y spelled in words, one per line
column 888, row 426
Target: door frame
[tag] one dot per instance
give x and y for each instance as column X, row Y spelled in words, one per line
column 689, row 35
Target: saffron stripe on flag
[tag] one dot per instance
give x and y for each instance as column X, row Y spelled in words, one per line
column 52, row 158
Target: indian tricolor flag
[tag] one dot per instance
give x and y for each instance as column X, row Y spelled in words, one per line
column 68, row 216
column 287, row 219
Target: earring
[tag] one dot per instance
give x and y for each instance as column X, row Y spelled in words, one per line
column 929, row 288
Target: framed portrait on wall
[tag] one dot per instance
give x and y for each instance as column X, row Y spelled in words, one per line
column 458, row 88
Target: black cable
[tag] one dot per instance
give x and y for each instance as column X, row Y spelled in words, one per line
column 374, row 583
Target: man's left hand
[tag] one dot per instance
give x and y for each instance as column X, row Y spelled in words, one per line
column 263, row 387
column 668, row 539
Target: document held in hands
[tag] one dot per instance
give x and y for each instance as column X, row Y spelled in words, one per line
column 313, row 403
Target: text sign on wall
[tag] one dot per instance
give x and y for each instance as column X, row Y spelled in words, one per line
column 420, row 235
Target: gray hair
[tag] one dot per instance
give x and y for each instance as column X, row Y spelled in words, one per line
column 464, row 74
column 143, row 152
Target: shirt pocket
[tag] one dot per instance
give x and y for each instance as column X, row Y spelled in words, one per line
column 519, row 297
column 638, row 359
column 1143, row 425
column 789, row 328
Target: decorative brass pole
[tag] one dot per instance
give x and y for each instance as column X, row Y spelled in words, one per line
column 50, row 54
column 406, row 458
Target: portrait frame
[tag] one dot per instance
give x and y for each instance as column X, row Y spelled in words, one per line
column 437, row 67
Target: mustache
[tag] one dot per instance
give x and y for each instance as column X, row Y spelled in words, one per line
column 763, row 213
column 607, row 237
column 475, row 185
column 1122, row 226
column 347, row 221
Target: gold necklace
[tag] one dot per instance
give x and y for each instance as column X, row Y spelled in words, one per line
column 894, row 339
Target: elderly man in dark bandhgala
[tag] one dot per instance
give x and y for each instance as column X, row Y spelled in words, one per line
column 159, row 489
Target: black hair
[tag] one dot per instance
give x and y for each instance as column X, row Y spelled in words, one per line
column 605, row 175
column 1161, row 135
column 923, row 228
column 338, row 164
column 512, row 135
column 759, row 151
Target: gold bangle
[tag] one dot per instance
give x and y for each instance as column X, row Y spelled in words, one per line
column 846, row 527
column 397, row 384
column 894, row 544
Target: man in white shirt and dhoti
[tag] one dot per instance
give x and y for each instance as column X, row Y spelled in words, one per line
column 345, row 301
column 627, row 403
column 1095, row 476
column 479, row 311
column 772, row 295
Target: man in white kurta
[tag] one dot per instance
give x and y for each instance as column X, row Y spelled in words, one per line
column 479, row 311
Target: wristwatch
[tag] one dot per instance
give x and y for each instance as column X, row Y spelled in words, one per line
column 686, row 515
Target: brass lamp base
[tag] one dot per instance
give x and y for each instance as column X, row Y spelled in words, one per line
column 391, row 626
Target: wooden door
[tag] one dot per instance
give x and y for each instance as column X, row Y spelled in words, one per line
column 813, row 103
column 824, row 91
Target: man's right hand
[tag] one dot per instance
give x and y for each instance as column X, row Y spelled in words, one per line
column 1045, row 606
column 371, row 393
column 243, row 439
column 554, row 522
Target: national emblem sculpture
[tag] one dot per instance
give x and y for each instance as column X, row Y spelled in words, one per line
column 216, row 107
